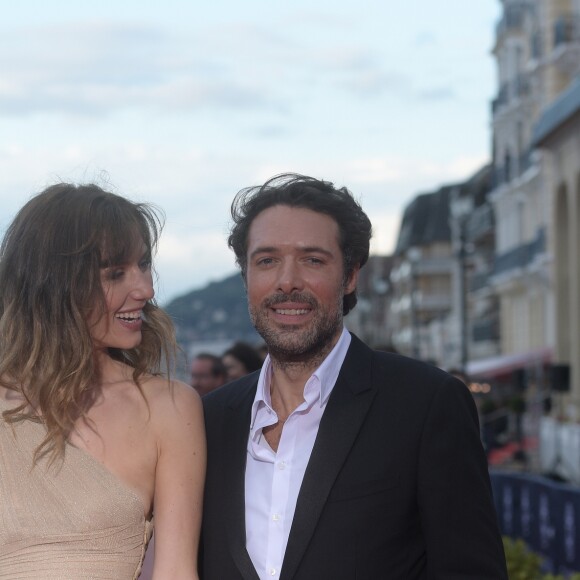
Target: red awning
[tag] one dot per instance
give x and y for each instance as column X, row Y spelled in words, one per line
column 505, row 364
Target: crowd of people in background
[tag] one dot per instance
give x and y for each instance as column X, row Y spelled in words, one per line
column 210, row 371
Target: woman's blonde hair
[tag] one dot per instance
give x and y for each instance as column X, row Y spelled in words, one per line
column 50, row 284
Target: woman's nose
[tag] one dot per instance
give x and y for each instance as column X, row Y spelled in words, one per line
column 143, row 285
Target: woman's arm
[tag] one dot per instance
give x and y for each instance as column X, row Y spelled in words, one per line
column 179, row 480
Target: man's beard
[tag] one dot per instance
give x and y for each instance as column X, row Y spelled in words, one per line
column 289, row 343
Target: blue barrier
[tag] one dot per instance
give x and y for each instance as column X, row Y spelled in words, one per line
column 544, row 513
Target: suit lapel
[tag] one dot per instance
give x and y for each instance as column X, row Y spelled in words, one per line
column 235, row 436
column 344, row 415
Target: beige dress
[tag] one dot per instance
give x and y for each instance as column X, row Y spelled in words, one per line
column 76, row 522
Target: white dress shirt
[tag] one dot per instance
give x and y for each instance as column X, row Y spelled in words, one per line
column 273, row 479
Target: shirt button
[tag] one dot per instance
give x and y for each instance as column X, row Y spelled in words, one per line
column 282, row 465
column 276, row 518
column 272, row 571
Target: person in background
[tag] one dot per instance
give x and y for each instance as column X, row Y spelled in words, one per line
column 335, row 461
column 262, row 349
column 241, row 359
column 207, row 373
column 96, row 443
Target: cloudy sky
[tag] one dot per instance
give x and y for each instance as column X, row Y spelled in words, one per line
column 183, row 102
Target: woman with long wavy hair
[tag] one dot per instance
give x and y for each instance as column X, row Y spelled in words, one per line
column 96, row 442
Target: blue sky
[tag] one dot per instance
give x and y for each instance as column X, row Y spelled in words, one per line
column 184, row 103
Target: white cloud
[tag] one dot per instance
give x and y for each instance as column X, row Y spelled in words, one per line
column 406, row 173
column 385, row 231
column 186, row 261
column 376, row 170
column 455, row 169
column 186, row 104
column 95, row 68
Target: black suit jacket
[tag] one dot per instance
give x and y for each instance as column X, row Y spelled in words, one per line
column 396, row 487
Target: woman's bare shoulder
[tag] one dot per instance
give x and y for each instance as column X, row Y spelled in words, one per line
column 168, row 398
column 159, row 387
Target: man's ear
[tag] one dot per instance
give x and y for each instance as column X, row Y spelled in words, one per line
column 351, row 281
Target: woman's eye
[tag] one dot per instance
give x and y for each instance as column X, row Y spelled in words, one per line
column 116, row 274
column 145, row 264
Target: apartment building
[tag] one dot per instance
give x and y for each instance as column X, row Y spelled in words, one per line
column 486, row 273
column 370, row 319
column 422, row 280
column 443, row 308
column 476, row 306
column 532, row 72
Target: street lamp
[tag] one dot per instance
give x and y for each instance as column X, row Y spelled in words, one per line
column 414, row 255
column 461, row 208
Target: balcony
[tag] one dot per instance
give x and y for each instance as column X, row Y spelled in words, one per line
column 509, row 170
column 433, row 302
column 521, row 86
column 501, row 99
column 526, row 161
column 500, row 176
column 521, row 256
column 512, row 20
column 433, row 266
column 566, row 52
column 509, row 92
column 480, row 223
column 479, row 281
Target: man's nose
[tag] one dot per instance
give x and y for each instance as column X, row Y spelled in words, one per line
column 290, row 277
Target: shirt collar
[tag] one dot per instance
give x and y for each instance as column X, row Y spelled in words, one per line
column 320, row 383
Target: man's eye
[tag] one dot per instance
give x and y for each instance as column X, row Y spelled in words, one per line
column 265, row 261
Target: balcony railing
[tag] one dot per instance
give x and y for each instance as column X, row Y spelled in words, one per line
column 526, row 161
column 521, row 256
column 433, row 266
column 501, row 99
column 433, row 302
column 479, row 281
column 513, row 19
column 519, row 87
column 479, row 223
column 499, row 176
column 505, row 173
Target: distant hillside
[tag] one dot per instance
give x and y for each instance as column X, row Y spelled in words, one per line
column 217, row 312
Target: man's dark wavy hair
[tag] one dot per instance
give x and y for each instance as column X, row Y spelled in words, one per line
column 301, row 191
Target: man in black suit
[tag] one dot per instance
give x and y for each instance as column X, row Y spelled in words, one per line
column 335, row 461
